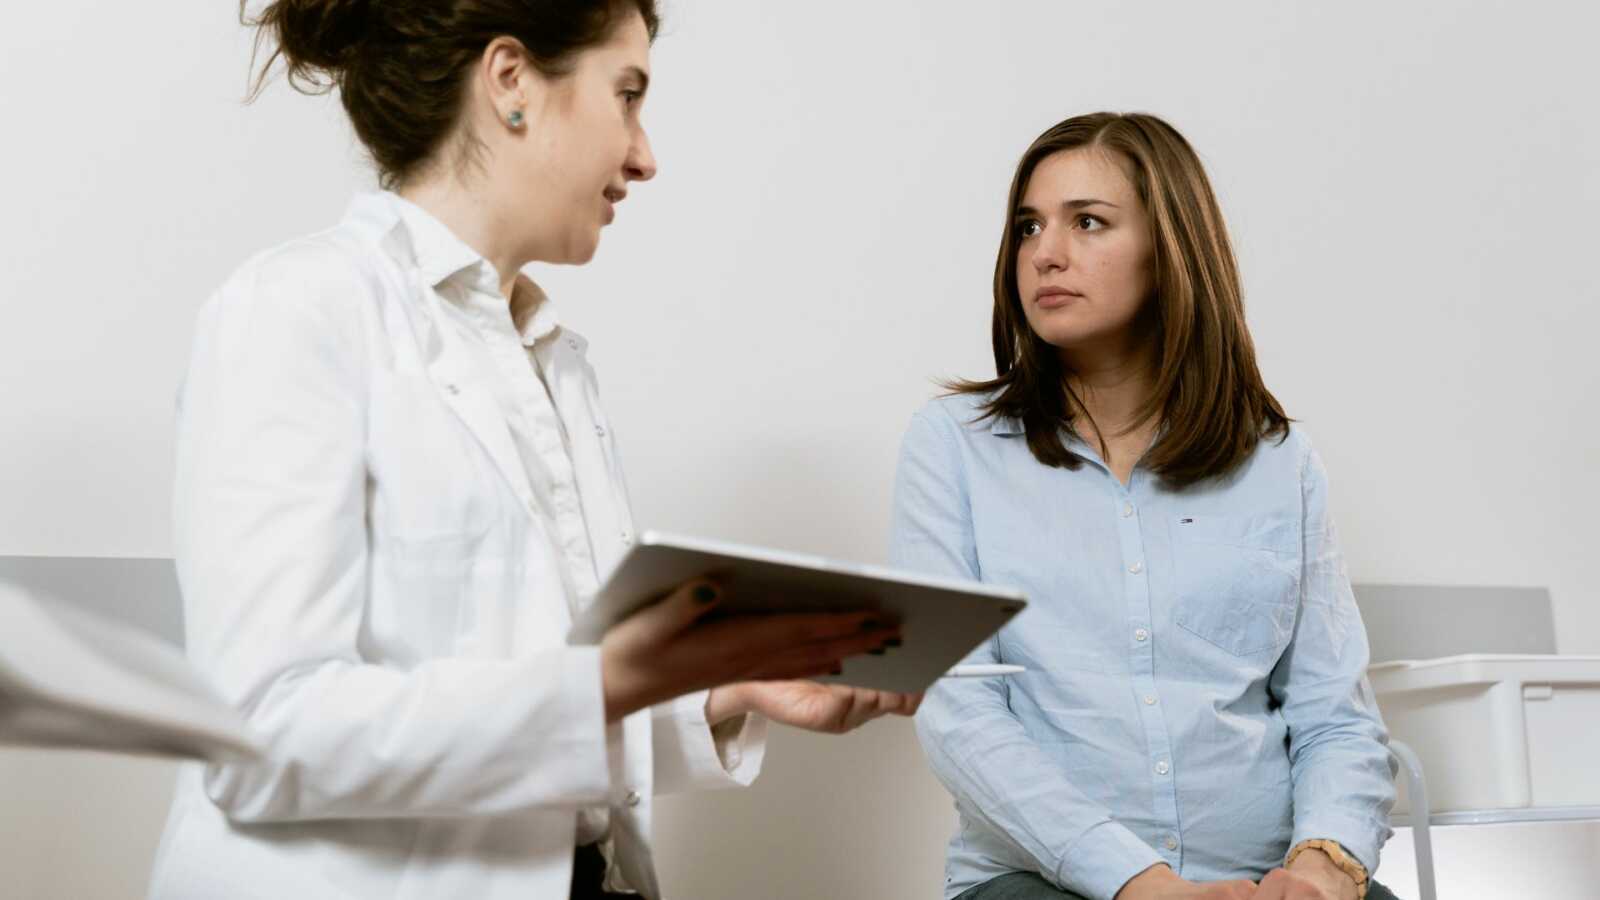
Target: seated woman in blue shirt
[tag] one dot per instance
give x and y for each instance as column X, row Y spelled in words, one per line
column 1195, row 720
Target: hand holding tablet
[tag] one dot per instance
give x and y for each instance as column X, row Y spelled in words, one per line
column 939, row 620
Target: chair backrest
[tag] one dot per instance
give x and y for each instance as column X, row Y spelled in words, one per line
column 141, row 592
column 1414, row 621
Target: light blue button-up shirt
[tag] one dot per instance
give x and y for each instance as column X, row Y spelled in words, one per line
column 1195, row 690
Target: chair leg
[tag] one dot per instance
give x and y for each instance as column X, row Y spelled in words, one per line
column 1422, row 838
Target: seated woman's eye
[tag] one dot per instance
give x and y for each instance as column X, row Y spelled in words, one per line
column 1090, row 223
column 1029, row 228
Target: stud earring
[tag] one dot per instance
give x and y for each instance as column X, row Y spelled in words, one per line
column 515, row 119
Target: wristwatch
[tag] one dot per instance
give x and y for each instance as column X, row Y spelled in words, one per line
column 1346, row 863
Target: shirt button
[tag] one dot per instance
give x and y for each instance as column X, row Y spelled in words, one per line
column 1149, row 700
column 1141, row 635
column 1127, row 510
column 600, row 430
column 633, row 798
column 1172, row 843
column 1136, row 568
column 452, row 390
column 1162, row 768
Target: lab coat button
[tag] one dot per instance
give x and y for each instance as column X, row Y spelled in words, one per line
column 633, row 798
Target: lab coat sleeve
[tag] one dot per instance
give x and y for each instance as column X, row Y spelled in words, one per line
column 691, row 754
column 272, row 550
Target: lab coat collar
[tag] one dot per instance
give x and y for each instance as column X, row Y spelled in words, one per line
column 413, row 235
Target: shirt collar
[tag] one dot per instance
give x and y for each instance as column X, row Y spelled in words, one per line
column 1005, row 425
column 441, row 256
column 438, row 254
column 532, row 312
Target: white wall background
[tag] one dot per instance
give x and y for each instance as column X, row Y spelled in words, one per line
column 1411, row 186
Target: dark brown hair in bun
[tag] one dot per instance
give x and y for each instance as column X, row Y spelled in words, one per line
column 400, row 65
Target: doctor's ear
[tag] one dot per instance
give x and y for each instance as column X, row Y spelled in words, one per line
column 506, row 77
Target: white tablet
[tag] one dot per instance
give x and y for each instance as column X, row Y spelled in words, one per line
column 941, row 619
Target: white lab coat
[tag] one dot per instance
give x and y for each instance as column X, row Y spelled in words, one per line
column 366, row 576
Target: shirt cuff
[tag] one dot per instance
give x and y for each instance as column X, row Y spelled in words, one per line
column 1341, row 858
column 586, row 767
column 691, row 755
column 1359, row 838
column 1103, row 859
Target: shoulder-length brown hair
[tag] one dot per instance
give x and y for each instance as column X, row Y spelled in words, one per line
column 1208, row 395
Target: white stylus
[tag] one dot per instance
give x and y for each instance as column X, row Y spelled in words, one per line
column 983, row 671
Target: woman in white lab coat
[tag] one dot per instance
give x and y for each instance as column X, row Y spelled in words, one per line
column 395, row 486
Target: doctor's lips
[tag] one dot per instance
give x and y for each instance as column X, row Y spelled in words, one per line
column 1052, row 296
column 613, row 196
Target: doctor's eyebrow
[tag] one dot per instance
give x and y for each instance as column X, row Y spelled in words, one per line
column 639, row 76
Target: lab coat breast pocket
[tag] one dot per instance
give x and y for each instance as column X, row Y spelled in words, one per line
column 430, row 481
column 1238, row 579
column 432, row 507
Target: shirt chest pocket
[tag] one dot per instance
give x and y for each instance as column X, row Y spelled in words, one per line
column 1238, row 580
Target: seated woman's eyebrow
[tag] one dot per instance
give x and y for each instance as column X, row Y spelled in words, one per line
column 1082, row 203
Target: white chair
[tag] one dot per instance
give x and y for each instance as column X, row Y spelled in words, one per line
column 1403, row 623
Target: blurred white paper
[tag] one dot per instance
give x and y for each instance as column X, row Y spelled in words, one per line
column 72, row 679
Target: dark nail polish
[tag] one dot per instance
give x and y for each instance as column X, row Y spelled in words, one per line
column 892, row 642
column 877, row 652
column 705, row 594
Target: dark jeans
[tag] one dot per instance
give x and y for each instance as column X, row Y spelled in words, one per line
column 1029, row 886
